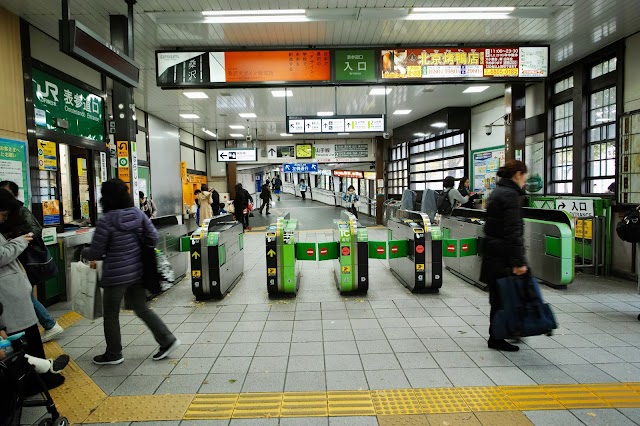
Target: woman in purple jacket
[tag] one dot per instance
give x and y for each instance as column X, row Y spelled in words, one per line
column 117, row 241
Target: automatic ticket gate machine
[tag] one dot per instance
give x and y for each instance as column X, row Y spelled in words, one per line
column 217, row 258
column 351, row 262
column 283, row 273
column 415, row 251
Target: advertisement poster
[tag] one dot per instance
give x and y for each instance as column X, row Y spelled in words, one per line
column 14, row 166
column 534, row 157
column 485, row 165
column 51, row 212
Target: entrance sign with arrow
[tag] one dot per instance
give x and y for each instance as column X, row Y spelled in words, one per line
column 238, row 154
column 337, row 124
column 577, row 207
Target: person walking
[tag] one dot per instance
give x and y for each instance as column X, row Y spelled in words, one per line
column 148, row 206
column 503, row 243
column 21, row 223
column 118, row 239
column 265, row 196
column 240, row 205
column 351, row 199
column 303, row 189
column 215, row 202
column 197, row 201
column 205, row 200
column 277, row 186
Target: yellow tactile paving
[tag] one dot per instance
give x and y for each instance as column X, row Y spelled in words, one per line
column 69, row 319
column 572, row 396
column 211, row 406
column 141, row 408
column 617, row 396
column 304, row 404
column 257, row 405
column 350, row 403
column 441, row 400
column 395, row 401
column 531, row 398
column 485, row 399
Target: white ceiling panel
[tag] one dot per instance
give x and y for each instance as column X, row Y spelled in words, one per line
column 575, row 29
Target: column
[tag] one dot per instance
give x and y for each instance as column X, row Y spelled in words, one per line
column 514, row 128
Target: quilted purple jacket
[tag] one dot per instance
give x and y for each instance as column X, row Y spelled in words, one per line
column 117, row 242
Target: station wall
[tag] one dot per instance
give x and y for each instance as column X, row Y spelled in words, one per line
column 631, row 80
column 482, row 115
column 13, row 123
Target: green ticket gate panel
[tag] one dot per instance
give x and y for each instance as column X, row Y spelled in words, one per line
column 217, row 258
column 328, row 251
column 351, row 267
column 306, row 251
column 280, row 250
column 377, row 249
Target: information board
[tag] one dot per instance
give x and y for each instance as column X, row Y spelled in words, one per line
column 484, row 167
column 337, row 124
column 14, row 165
column 47, row 158
column 237, row 154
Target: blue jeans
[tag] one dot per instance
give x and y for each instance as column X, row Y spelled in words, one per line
column 44, row 318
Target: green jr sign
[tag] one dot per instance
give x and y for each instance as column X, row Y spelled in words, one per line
column 355, row 65
column 65, row 108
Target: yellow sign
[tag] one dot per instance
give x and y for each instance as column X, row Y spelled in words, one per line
column 584, row 229
column 124, row 172
column 196, row 274
column 47, row 159
column 51, row 212
column 271, row 272
column 183, row 171
column 420, row 267
column 346, row 269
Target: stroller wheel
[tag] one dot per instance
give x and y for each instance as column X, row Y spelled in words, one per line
column 61, row 421
column 46, row 422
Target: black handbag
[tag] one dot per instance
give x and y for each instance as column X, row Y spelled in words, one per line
column 150, row 275
column 628, row 228
column 38, row 263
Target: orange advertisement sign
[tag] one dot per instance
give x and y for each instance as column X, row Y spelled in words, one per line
column 281, row 65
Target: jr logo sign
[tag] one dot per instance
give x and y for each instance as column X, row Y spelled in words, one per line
column 49, row 89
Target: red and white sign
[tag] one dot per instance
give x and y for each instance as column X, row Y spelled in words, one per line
column 394, row 249
column 348, row 174
column 310, row 252
column 465, row 248
column 451, row 248
column 323, row 251
column 380, row 250
column 346, row 251
column 420, row 249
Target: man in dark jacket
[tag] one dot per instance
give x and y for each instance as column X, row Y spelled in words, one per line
column 240, row 204
column 277, row 186
column 265, row 196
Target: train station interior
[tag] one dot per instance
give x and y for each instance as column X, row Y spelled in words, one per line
column 290, row 159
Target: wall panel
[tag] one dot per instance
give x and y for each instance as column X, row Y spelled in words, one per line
column 13, row 123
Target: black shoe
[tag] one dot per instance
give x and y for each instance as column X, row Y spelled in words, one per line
column 105, row 359
column 164, row 352
column 268, row 213
column 59, row 363
column 502, row 345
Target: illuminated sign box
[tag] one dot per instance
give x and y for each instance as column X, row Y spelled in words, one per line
column 336, row 124
column 348, row 174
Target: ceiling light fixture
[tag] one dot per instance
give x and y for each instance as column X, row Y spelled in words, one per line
column 254, row 12
column 475, row 89
column 195, row 95
column 439, row 125
column 325, row 113
column 247, row 115
column 236, row 126
column 343, row 134
column 191, row 116
column 209, row 132
column 380, row 91
column 281, row 93
column 236, row 135
column 285, row 135
column 420, row 135
column 402, row 112
column 459, row 13
column 254, row 16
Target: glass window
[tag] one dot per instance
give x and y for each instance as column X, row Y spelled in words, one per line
column 397, row 170
column 563, row 85
column 562, row 149
column 610, row 65
column 601, row 136
column 444, row 156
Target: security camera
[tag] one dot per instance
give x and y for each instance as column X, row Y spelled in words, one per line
column 386, row 135
column 488, row 129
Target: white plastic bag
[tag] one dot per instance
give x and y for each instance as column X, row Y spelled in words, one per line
column 86, row 294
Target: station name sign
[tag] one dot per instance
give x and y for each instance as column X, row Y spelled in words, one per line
column 322, row 67
column 335, row 124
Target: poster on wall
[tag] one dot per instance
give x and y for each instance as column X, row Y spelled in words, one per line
column 485, row 165
column 534, row 157
column 14, row 166
column 629, row 160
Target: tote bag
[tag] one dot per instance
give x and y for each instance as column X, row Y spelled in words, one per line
column 87, row 295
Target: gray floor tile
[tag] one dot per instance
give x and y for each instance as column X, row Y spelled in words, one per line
column 330, row 335
column 632, row 413
column 548, row 374
column 342, row 362
column 281, row 316
column 254, row 316
column 441, row 345
column 213, row 337
column 375, row 362
column 200, row 317
column 453, row 321
column 191, row 327
column 407, row 345
column 272, row 349
column 626, row 354
column 527, row 357
column 488, row 358
column 587, row 374
column 453, row 359
column 307, row 348
column 208, row 350
column 336, row 324
column 552, row 418
column 602, row 417
column 361, row 314
column 228, row 317
column 431, row 333
column 304, row 421
column 399, row 322
column 353, row 421
column 386, row 379
column 387, row 313
column 139, row 385
column 507, row 376
column 300, row 336
column 264, row 382
column 427, row 378
column 148, row 367
column 254, row 422
column 276, row 336
column 307, row 306
column 598, row 355
column 415, row 360
column 239, row 349
column 397, row 333
column 193, row 366
column 467, row 377
column 561, row 356
column 244, row 337
column 364, row 324
column 307, row 325
column 346, row 347
column 305, row 381
column 269, row 364
column 335, row 315
column 308, row 315
column 306, row 363
column 108, row 384
column 231, row 365
column 374, row 347
column 371, row 334
column 623, row 372
column 181, row 384
column 346, row 380
column 223, row 383
column 279, row 326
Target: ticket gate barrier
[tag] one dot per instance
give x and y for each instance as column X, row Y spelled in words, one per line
column 548, row 239
column 217, row 258
column 283, row 273
column 415, row 251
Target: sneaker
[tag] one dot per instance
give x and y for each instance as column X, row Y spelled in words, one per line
column 58, row 364
column 105, row 359
column 51, row 333
column 164, row 352
column 502, row 345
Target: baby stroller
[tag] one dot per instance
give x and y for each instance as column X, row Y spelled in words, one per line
column 18, row 381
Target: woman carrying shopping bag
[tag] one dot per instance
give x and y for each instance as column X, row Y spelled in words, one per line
column 118, row 240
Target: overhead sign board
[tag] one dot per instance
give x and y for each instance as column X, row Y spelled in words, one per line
column 355, row 65
column 575, row 207
column 338, row 124
column 238, row 154
column 464, row 62
column 348, row 174
column 300, row 168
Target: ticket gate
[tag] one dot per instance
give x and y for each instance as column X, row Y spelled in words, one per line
column 217, row 258
column 415, row 251
column 548, row 239
column 283, row 273
column 351, row 265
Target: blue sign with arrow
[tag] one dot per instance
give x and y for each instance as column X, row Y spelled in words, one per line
column 300, row 168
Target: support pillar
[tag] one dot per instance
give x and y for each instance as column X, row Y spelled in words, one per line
column 514, row 128
column 381, row 147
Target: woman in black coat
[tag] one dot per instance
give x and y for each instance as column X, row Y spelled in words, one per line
column 503, row 250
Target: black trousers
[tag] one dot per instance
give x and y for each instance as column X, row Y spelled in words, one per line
column 354, row 210
column 304, row 194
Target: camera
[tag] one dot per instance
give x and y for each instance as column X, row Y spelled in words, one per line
column 386, row 135
column 488, row 129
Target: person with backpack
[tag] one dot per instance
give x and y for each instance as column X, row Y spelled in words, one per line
column 265, row 196
column 450, row 197
column 277, row 186
column 503, row 243
column 303, row 189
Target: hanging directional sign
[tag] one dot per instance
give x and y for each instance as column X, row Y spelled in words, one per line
column 336, row 124
column 300, row 168
column 238, row 154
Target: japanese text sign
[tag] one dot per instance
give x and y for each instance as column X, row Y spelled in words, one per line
column 355, row 65
column 575, row 207
column 300, row 168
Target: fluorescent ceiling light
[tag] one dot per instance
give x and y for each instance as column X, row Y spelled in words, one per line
column 195, row 95
column 419, row 134
column 281, row 93
column 247, row 115
column 343, row 134
column 254, row 12
column 236, row 126
column 439, row 125
column 193, row 116
column 463, row 9
column 459, row 13
column 475, row 89
column 209, row 132
column 285, row 134
column 380, row 91
column 236, row 135
column 456, row 16
column 401, row 112
column 325, row 113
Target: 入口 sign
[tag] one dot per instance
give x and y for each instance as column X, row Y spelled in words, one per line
column 575, row 207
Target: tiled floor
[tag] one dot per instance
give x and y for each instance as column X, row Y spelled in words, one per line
column 387, row 339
